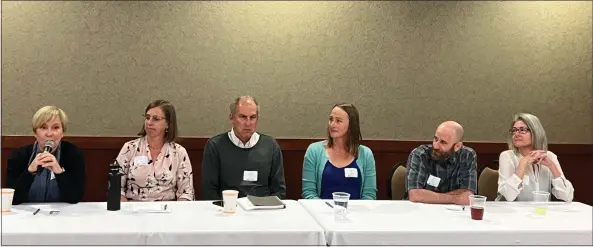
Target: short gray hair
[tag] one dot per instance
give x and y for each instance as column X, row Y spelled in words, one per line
column 539, row 141
column 233, row 106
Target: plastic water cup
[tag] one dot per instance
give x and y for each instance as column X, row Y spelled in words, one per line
column 341, row 205
column 540, row 200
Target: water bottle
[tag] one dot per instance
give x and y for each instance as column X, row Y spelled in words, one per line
column 114, row 191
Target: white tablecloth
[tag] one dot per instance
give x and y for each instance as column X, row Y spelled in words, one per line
column 188, row 223
column 407, row 223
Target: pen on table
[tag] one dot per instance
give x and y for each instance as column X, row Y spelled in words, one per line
column 331, row 206
column 36, row 211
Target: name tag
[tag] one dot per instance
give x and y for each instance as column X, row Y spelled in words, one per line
column 433, row 181
column 351, row 172
column 250, row 176
column 140, row 160
column 525, row 180
column 52, row 175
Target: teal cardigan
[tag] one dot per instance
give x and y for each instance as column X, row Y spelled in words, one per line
column 315, row 160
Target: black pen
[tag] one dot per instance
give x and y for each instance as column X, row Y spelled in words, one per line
column 36, row 211
column 329, row 204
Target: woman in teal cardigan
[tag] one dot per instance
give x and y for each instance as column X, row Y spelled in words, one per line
column 340, row 163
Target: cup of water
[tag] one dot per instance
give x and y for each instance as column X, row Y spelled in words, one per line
column 341, row 205
column 540, row 200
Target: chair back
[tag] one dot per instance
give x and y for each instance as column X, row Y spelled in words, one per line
column 488, row 184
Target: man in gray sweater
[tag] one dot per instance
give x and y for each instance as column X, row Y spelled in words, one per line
column 243, row 159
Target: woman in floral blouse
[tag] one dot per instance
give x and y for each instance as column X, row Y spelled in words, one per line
column 156, row 168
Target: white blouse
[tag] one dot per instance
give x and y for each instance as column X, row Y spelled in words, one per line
column 512, row 188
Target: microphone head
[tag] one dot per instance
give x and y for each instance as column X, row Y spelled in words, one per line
column 49, row 144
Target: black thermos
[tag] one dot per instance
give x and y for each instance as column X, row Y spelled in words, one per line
column 114, row 191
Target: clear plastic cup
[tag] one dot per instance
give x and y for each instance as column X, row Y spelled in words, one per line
column 341, row 205
column 540, row 200
column 477, row 204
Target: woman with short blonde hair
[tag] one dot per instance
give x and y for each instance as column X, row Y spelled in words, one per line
column 49, row 170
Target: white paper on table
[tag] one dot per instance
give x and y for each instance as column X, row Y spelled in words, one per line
column 147, row 207
column 456, row 208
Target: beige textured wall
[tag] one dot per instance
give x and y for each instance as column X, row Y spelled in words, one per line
column 406, row 65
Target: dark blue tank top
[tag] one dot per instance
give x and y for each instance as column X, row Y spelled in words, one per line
column 334, row 180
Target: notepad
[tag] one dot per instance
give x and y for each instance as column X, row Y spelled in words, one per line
column 257, row 202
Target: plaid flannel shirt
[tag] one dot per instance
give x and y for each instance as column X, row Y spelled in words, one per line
column 456, row 172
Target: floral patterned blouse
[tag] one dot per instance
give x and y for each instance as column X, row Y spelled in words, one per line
column 167, row 178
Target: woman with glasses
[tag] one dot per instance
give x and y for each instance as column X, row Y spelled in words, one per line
column 528, row 166
column 155, row 168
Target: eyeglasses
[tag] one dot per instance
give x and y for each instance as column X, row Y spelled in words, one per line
column 154, row 118
column 522, row 130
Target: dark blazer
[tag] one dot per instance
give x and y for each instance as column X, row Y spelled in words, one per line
column 70, row 182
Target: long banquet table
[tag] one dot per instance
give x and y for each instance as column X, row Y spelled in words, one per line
column 407, row 223
column 303, row 223
column 187, row 223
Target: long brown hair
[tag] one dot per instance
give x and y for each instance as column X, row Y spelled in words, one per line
column 354, row 135
column 170, row 117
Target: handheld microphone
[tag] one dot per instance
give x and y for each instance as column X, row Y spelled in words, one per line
column 49, row 145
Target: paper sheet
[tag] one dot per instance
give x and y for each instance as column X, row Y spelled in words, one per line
column 147, row 207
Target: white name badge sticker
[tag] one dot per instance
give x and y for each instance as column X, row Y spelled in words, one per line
column 140, row 160
column 250, row 176
column 433, row 181
column 351, row 172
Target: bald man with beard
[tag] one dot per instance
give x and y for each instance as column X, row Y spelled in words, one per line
column 444, row 172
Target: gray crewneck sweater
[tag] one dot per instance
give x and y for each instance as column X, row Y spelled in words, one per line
column 224, row 166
